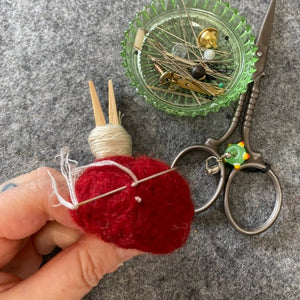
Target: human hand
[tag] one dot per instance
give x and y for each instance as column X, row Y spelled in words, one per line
column 30, row 227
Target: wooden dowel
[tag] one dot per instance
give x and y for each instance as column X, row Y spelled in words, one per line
column 98, row 113
column 112, row 107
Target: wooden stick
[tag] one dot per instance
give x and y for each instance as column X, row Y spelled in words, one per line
column 112, row 107
column 98, row 113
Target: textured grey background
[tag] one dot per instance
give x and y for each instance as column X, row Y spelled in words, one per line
column 49, row 49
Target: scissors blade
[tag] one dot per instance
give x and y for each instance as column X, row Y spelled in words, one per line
column 263, row 39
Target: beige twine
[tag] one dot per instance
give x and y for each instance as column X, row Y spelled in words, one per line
column 110, row 140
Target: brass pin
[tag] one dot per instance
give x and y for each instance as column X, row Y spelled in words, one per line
column 208, row 38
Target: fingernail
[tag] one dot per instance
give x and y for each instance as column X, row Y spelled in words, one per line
column 8, row 187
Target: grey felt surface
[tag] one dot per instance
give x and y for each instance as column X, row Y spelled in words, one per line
column 50, row 49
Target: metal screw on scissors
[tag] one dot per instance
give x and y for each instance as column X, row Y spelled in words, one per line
column 256, row 159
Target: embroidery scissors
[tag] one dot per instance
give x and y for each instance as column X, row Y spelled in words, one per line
column 215, row 163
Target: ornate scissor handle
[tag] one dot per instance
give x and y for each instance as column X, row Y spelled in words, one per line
column 277, row 206
column 221, row 172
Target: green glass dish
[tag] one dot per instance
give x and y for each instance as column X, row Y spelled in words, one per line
column 167, row 23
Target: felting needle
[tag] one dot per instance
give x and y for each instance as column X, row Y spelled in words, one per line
column 98, row 113
column 112, row 107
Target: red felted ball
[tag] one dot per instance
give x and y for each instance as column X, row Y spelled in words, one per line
column 154, row 216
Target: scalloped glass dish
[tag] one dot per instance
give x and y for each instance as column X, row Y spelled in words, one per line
column 171, row 30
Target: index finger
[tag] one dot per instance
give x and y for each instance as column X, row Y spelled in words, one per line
column 26, row 208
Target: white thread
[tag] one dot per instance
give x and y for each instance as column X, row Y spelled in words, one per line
column 103, row 163
column 71, row 173
column 110, row 140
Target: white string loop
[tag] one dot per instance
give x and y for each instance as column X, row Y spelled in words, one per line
column 71, row 173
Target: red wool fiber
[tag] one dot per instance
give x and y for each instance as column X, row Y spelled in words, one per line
column 159, row 224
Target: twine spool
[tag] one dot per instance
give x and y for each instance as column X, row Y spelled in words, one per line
column 110, row 140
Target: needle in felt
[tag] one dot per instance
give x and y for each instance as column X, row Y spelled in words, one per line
column 112, row 107
column 98, row 113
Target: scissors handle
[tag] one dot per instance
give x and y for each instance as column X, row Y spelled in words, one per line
column 277, row 206
column 254, row 156
column 209, row 150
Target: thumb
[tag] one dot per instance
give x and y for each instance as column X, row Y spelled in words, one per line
column 73, row 272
